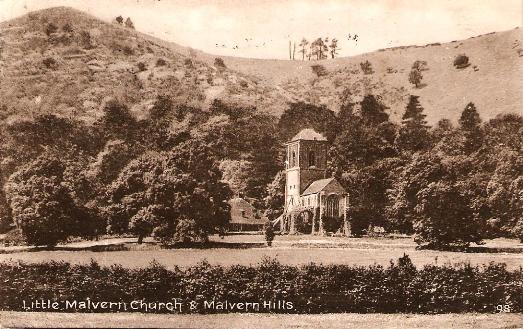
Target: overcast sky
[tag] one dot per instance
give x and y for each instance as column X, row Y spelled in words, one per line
column 263, row 28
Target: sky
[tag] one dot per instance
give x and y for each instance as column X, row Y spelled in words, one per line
column 263, row 28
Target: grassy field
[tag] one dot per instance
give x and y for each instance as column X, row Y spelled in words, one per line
column 249, row 249
column 360, row 321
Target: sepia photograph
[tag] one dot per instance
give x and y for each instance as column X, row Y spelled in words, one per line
column 266, row 164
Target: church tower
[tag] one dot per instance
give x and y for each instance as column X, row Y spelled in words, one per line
column 306, row 162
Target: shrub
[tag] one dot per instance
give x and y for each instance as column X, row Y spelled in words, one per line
column 415, row 77
column 67, row 28
column 50, row 63
column 391, row 70
column 366, row 67
column 269, row 233
column 128, row 23
column 219, row 63
column 188, row 63
column 319, row 70
column 141, row 66
column 420, row 65
column 85, row 39
column 312, row 288
column 461, row 61
column 50, row 29
column 14, row 238
column 161, row 62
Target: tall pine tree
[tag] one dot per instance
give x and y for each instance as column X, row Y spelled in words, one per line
column 470, row 126
column 414, row 132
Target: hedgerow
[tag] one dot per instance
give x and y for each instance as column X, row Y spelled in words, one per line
column 311, row 288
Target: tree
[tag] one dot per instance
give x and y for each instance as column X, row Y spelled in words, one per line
column 420, row 65
column 42, row 206
column 373, row 111
column 219, row 63
column 302, row 115
column 269, row 233
column 413, row 134
column 414, row 175
column 319, row 48
column 129, row 23
column 275, row 199
column 319, row 70
column 461, row 61
column 303, row 44
column 415, row 77
column 470, row 126
column 444, row 218
column 366, row 67
column 119, row 19
column 50, row 29
column 117, row 122
column 158, row 190
column 334, row 47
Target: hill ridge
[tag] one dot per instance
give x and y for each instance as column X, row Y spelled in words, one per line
column 109, row 67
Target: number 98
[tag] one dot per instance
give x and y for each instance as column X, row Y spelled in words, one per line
column 503, row 308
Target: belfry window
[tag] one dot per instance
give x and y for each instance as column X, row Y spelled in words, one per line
column 312, row 159
column 293, row 161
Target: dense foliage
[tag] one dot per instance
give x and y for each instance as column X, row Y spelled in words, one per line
column 312, row 288
column 448, row 185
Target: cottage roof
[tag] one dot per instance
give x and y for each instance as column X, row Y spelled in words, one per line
column 242, row 212
column 309, row 135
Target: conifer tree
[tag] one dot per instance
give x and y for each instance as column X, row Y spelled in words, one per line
column 470, row 126
column 414, row 132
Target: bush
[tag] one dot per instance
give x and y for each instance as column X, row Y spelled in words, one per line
column 415, row 77
column 269, row 233
column 366, row 67
column 67, row 28
column 85, row 39
column 188, row 63
column 141, row 66
column 461, row 61
column 14, row 238
column 161, row 62
column 319, row 70
column 50, row 63
column 219, row 63
column 50, row 29
column 308, row 289
column 420, row 65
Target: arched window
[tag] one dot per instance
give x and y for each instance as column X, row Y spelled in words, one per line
column 293, row 161
column 312, row 159
column 333, row 206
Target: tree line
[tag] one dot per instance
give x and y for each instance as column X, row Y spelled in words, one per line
column 449, row 185
column 317, row 49
column 170, row 175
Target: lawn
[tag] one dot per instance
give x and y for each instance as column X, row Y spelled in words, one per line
column 249, row 249
column 361, row 321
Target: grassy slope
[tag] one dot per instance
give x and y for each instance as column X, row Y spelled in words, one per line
column 84, row 77
column 494, row 88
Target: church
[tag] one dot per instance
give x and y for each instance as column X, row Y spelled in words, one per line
column 314, row 203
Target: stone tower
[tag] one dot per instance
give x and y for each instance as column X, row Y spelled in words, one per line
column 306, row 162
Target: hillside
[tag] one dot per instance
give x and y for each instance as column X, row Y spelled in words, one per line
column 493, row 81
column 73, row 69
